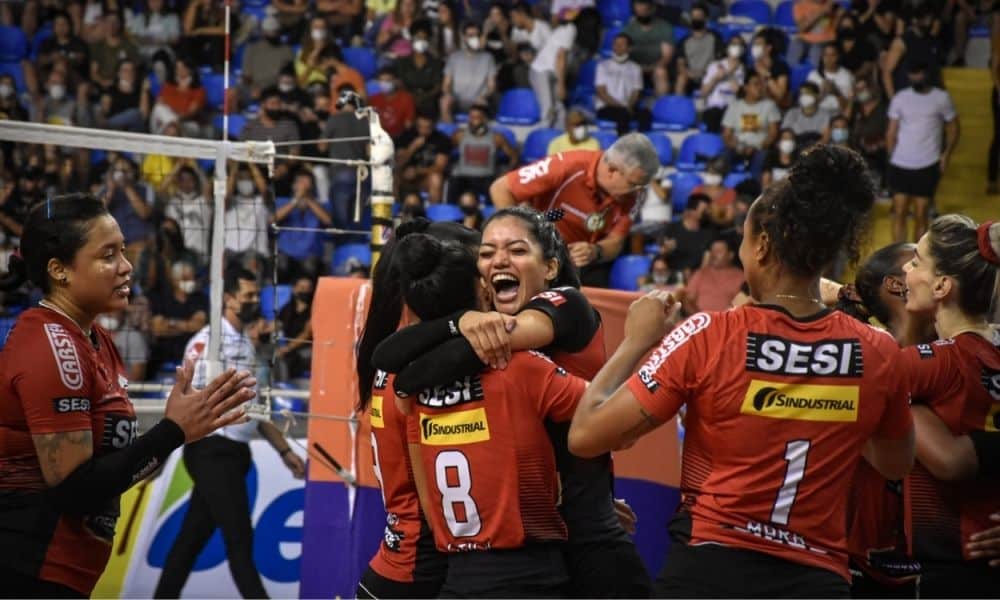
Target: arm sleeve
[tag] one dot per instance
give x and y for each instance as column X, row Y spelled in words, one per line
column 948, row 108
column 926, row 372
column 574, row 320
column 894, row 110
column 730, row 118
column 897, row 420
column 447, row 362
column 409, row 343
column 987, row 445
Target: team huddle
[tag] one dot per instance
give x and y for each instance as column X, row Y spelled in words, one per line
column 823, row 456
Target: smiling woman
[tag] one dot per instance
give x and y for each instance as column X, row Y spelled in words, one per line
column 68, row 443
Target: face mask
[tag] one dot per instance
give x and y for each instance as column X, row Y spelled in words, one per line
column 108, row 322
column 185, row 81
column 807, row 101
column 304, row 297
column 839, row 135
column 786, row 146
column 244, row 187
column 473, row 43
column 735, row 51
column 619, row 58
column 318, row 35
column 273, row 114
column 274, row 40
column 697, row 24
column 469, row 209
column 249, row 312
column 284, row 87
column 480, row 129
column 57, row 91
column 414, row 211
column 421, row 46
column 919, row 86
column 645, row 20
column 388, row 87
column 187, row 286
column 864, row 96
column 757, row 52
column 712, row 179
column 118, row 176
column 323, row 115
column 580, row 132
column 660, row 278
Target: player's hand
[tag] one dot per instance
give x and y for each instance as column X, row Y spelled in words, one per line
column 651, row 317
column 295, row 464
column 581, row 253
column 200, row 412
column 626, row 516
column 986, row 544
column 489, row 334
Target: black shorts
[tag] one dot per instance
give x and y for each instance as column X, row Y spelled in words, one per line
column 14, row 584
column 535, row 571
column 373, row 585
column 865, row 586
column 914, row 182
column 959, row 580
column 607, row 569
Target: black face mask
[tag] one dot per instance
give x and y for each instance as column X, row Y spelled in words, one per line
column 480, row 129
column 414, row 211
column 304, row 297
column 468, row 209
column 274, row 40
column 249, row 312
column 697, row 24
column 646, row 20
column 274, row 115
column 323, row 115
column 920, row 86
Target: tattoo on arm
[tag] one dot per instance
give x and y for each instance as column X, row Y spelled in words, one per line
column 648, row 423
column 60, row 453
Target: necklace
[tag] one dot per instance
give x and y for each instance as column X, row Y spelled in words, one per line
column 53, row 307
column 794, row 297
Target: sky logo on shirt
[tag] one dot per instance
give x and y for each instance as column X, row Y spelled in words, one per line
column 464, row 427
column 801, row 402
column 529, row 173
column 64, row 351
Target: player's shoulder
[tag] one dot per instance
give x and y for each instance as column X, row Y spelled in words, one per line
column 562, row 298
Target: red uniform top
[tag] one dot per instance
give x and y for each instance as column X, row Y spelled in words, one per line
column 54, row 379
column 568, row 181
column 877, row 540
column 778, row 410
column 489, row 462
column 958, row 379
column 401, row 556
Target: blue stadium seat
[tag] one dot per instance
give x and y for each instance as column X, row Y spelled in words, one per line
column 214, row 92
column 448, row 129
column 236, row 124
column 783, row 18
column 362, row 59
column 14, row 70
column 273, row 299
column 626, row 271
column 734, row 179
column 256, row 2
column 604, row 124
column 536, row 145
column 697, row 149
column 154, row 85
column 256, row 11
column 444, row 212
column 683, row 184
column 344, row 252
column 519, row 107
column 664, row 149
column 587, row 74
column 757, row 11
column 798, row 76
column 674, row 113
column 605, row 138
column 614, row 12
column 13, row 44
column 680, row 32
column 6, row 324
column 488, row 210
column 609, row 39
column 44, row 33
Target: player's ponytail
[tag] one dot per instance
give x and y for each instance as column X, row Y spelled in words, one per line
column 437, row 278
column 864, row 300
column 970, row 254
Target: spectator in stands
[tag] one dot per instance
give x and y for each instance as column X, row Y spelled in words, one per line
column 816, row 21
column 773, row 71
column 684, row 242
column 341, row 73
column 17, row 197
column 247, row 216
column 344, row 124
column 656, row 208
column 836, row 84
column 563, row 9
column 714, row 286
column 111, row 49
column 857, row 54
column 395, row 105
column 294, row 98
column 182, row 99
column 294, row 353
column 130, row 203
column 412, row 208
column 807, row 120
column 549, row 72
column 780, row 158
column 62, row 46
column 619, row 85
column 421, row 72
column 721, row 198
column 917, row 116
column 469, row 75
column 152, row 270
column 394, row 35
column 869, row 123
column 272, row 122
column 916, row 46
column 661, row 277
column 722, row 83
column 191, row 208
column 264, row 59
column 516, row 72
column 447, row 33
column 291, row 16
column 877, row 22
column 838, row 132
column 156, row 169
column 344, row 17
column 472, row 214
column 177, row 315
column 750, row 125
column 375, row 11
column 129, row 340
column 10, row 107
column 528, row 29
column 477, row 145
column 57, row 106
column 652, row 45
column 697, row 52
column 497, row 31
column 155, row 30
column 577, row 136
column 205, row 32
column 422, row 159
column 313, row 59
column 301, row 251
column 127, row 104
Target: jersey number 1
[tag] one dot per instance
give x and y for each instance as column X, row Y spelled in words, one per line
column 795, row 454
column 453, row 496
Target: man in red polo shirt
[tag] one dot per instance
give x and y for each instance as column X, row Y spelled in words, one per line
column 596, row 193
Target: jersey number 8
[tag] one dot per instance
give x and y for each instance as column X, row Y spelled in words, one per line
column 454, row 481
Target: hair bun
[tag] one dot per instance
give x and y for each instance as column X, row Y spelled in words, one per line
column 834, row 167
column 417, row 225
column 418, row 255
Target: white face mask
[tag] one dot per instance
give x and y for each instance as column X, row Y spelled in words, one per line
column 661, row 278
column 109, row 322
column 839, row 135
column 864, row 96
column 318, row 35
column 735, row 51
column 421, row 46
column 284, row 87
column 473, row 43
column 187, row 286
column 619, row 58
column 6, row 90
column 244, row 187
column 118, row 176
column 807, row 100
column 57, row 91
column 712, row 179
column 757, row 51
column 786, row 146
column 580, row 132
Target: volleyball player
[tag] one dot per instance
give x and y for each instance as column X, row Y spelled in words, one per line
column 68, row 443
column 407, row 565
column 782, row 397
column 534, row 288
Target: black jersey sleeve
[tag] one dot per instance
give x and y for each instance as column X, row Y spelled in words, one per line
column 574, row 320
column 987, row 445
column 410, row 343
column 451, row 360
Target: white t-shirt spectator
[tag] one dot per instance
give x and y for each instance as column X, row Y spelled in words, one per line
column 194, row 214
column 246, row 225
column 750, row 122
column 562, row 37
column 725, row 91
column 842, row 79
column 536, row 37
column 238, row 353
column 921, row 122
column 620, row 80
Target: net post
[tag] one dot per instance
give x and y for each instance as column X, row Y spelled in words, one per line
column 216, row 266
column 381, row 153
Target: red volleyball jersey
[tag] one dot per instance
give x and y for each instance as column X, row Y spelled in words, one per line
column 53, row 379
column 778, row 410
column 488, row 458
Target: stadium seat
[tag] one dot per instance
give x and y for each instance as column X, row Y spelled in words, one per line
column 362, row 59
column 448, row 129
column 44, row 33
column 6, row 324
column 519, row 107
column 664, row 149
column 697, row 149
column 626, row 271
column 609, row 39
column 757, row 11
column 359, row 251
column 444, row 212
column 273, row 298
column 605, row 138
column 488, row 210
column 798, row 76
column 614, row 12
column 783, row 18
column 236, row 124
column 680, row 32
column 13, row 44
column 683, row 184
column 586, row 76
column 536, row 145
column 674, row 113
column 214, row 92
column 256, row 11
column 734, row 179
column 14, row 70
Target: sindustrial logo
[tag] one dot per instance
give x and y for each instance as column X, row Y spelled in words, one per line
column 464, row 427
